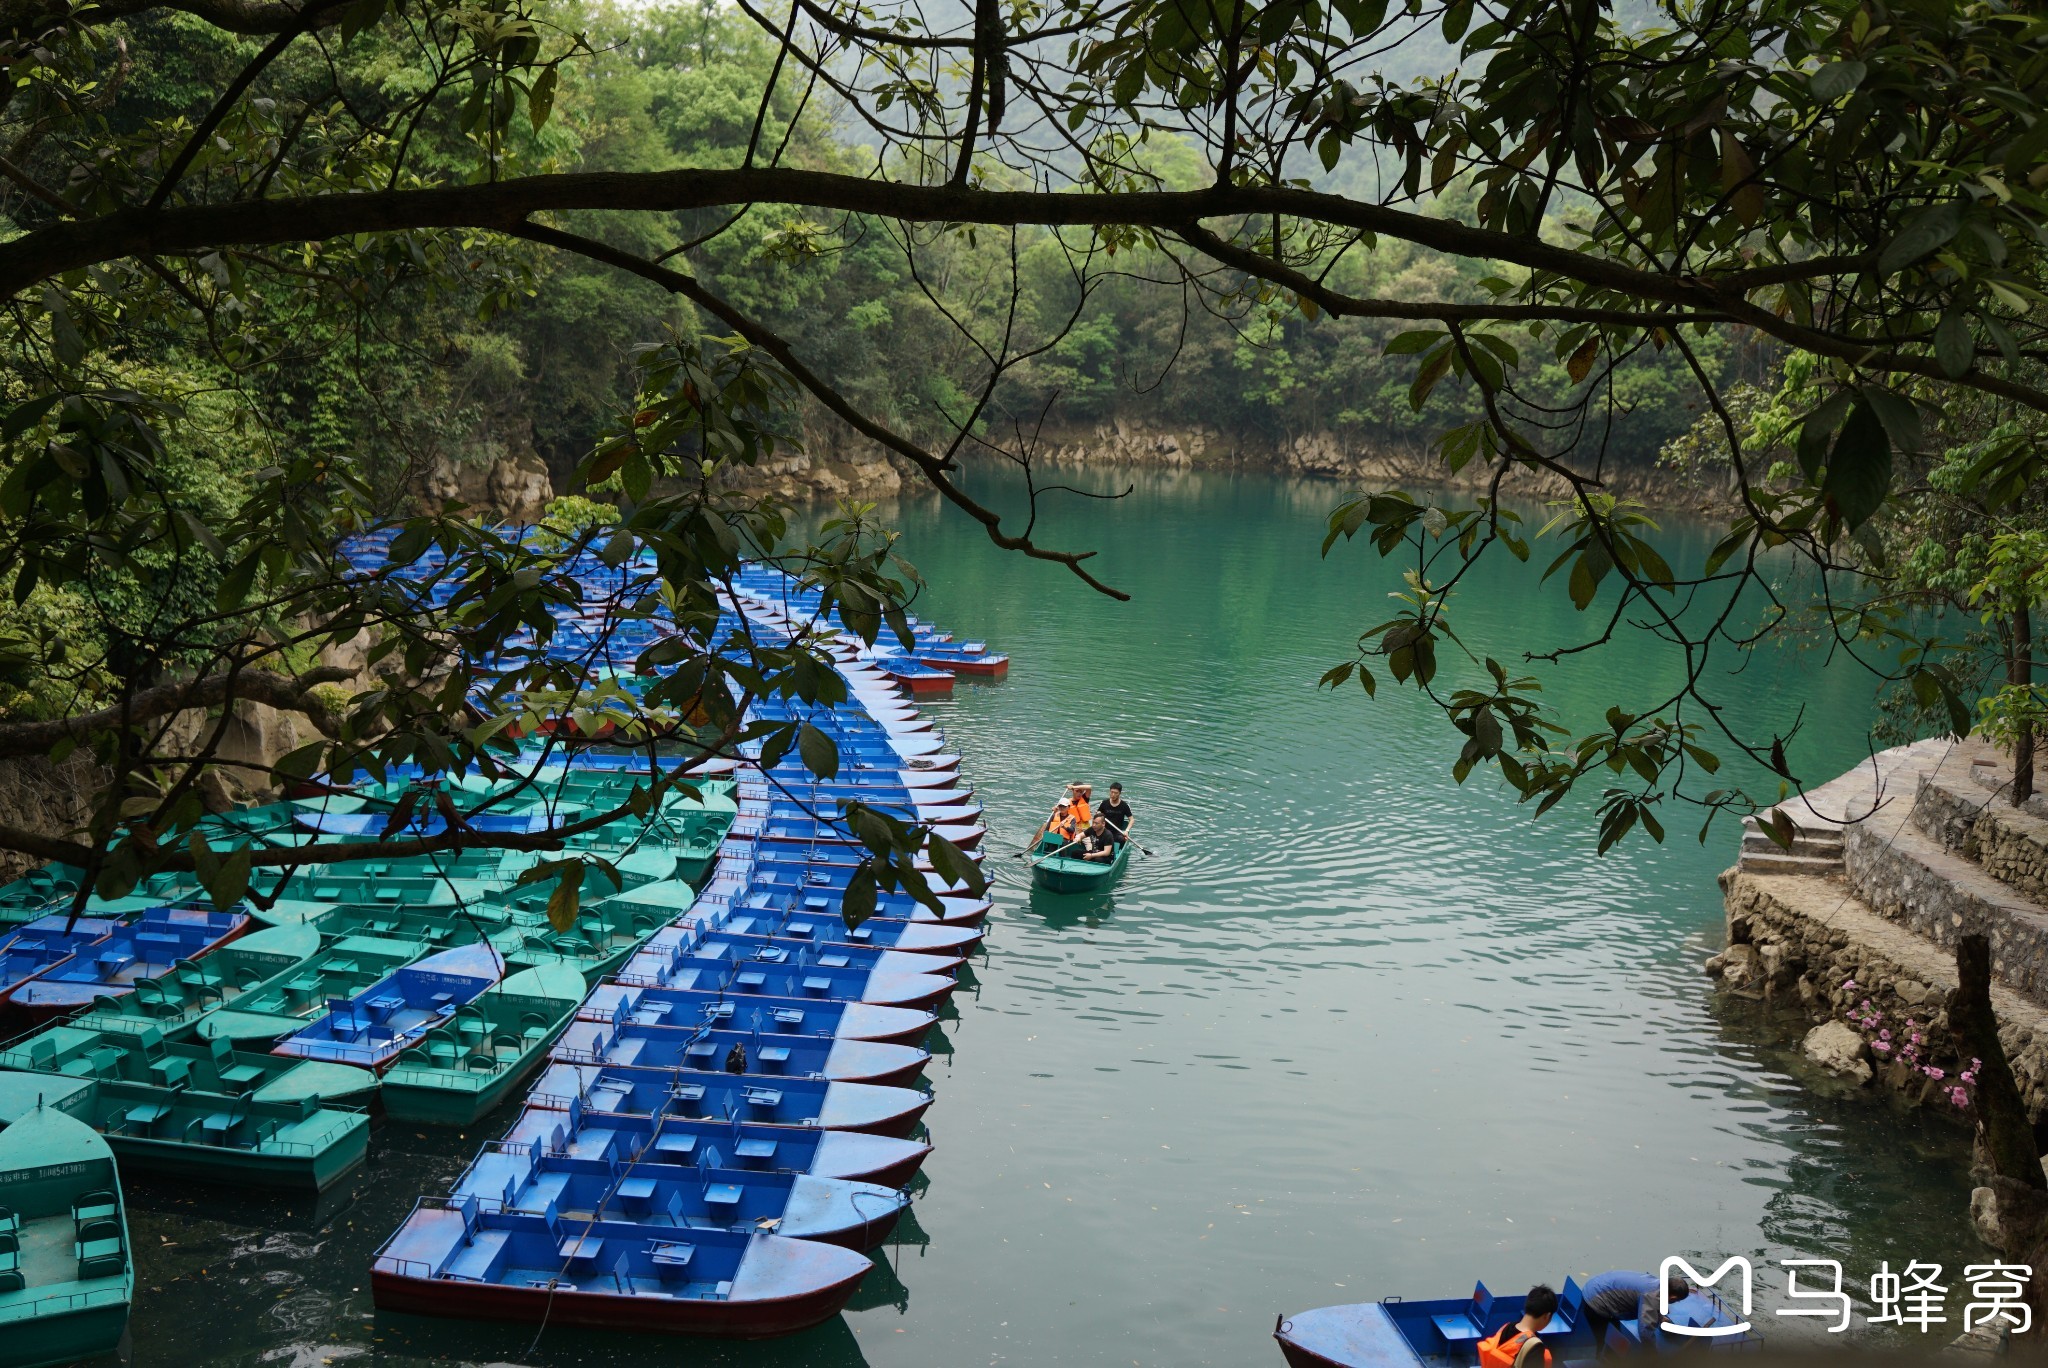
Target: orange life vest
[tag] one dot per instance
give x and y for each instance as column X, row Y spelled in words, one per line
column 1063, row 824
column 1082, row 815
column 1505, row 1348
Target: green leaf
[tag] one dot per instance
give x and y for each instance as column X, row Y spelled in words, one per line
column 231, row 881
column 954, row 865
column 1815, row 431
column 1433, row 369
column 857, row 904
column 1835, row 80
column 540, row 101
column 1927, row 231
column 1955, row 351
column 1859, row 466
column 566, row 902
column 1901, row 420
column 820, row 756
column 1587, row 572
column 26, row 415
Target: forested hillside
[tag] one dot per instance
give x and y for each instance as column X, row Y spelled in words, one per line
column 430, row 387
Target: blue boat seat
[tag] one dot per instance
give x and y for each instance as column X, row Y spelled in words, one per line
column 723, row 1194
column 861, row 933
column 580, row 1248
column 798, row 932
column 670, row 1260
column 675, row 1146
column 773, row 1055
column 765, row 1098
column 636, row 1190
column 788, row 1018
column 753, row 1150
column 750, row 982
column 700, row 1049
column 834, row 961
column 818, row 985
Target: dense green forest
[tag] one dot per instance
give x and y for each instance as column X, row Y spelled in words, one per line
column 535, row 352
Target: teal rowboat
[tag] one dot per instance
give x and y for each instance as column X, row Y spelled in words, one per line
column 459, row 1071
column 173, row 1004
column 1067, row 874
column 597, row 943
column 231, row 1141
column 65, row 1277
column 289, row 1000
column 214, row 1067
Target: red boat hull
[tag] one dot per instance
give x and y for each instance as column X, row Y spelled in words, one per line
column 923, row 686
column 993, row 667
column 663, row 1315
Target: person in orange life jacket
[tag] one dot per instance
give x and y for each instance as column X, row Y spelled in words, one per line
column 1084, row 810
column 1063, row 826
column 1516, row 1344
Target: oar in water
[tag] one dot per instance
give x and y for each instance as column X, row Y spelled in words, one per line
column 1054, row 854
column 1125, row 834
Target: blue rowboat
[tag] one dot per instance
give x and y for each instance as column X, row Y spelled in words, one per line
column 798, row 827
column 762, row 1100
column 705, row 1047
column 886, row 1159
column 653, row 1004
column 706, row 1194
column 1394, row 1332
column 715, row 941
column 826, row 928
column 47, row 942
column 772, row 901
column 665, row 962
column 454, row 1259
column 371, row 1029
column 154, row 945
column 300, row 993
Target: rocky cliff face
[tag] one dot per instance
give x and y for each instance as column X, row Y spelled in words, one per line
column 1329, row 455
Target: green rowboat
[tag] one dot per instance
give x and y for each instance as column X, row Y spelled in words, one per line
column 65, row 1277
column 173, row 1004
column 214, row 1067
column 232, row 1141
column 1070, row 874
column 459, row 1071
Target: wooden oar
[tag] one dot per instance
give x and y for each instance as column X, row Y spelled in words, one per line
column 1125, row 834
column 1042, row 828
column 1055, row 854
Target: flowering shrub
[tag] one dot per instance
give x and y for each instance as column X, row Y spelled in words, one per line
column 1911, row 1049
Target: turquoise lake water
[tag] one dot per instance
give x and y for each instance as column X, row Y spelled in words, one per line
column 1348, row 1031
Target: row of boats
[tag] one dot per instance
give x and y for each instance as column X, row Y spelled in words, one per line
column 729, row 1125
column 722, row 1100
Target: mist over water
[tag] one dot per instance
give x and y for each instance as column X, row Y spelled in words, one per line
column 1348, row 1031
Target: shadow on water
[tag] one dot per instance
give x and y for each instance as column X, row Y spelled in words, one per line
column 425, row 1339
column 1062, row 911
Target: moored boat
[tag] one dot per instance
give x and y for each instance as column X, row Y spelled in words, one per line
column 174, row 1003
column 133, row 953
column 768, row 1053
column 462, row 1069
column 48, row 941
column 889, row 1160
column 702, row 1194
column 759, row 1099
column 653, row 1004
column 454, row 1259
column 78, row 1051
column 66, row 1280
column 230, row 1141
column 299, row 993
column 371, row 1029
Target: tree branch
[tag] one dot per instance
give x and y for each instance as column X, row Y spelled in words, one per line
column 287, row 693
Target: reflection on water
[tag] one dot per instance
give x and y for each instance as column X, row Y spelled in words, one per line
column 1349, row 1031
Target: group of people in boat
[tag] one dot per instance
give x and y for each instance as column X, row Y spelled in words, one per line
column 1086, row 831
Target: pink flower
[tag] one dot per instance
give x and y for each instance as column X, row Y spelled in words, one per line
column 1881, row 1046
column 1976, row 1064
column 1958, row 1097
column 1933, row 1073
column 1884, row 1035
column 1850, row 984
column 1968, row 1077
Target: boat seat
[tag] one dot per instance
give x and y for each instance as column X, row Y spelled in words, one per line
column 773, row 1054
column 95, row 1206
column 750, row 982
column 788, row 1018
column 752, row 1150
column 216, row 1127
column 723, row 1194
column 768, row 1099
column 818, row 985
column 670, row 1260
column 10, row 1224
column 143, row 1120
column 700, row 1049
column 636, row 1190
column 834, row 961
column 1457, row 1328
column 239, row 1078
column 580, row 1248
column 175, row 1074
column 676, row 1146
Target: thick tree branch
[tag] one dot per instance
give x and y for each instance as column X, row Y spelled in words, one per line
column 285, row 692
column 253, row 17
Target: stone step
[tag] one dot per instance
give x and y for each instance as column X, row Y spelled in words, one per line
column 1776, row 861
column 1954, row 810
column 1757, row 843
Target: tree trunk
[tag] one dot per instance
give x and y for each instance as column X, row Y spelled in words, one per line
column 2001, row 1114
column 2020, row 674
column 2006, row 1134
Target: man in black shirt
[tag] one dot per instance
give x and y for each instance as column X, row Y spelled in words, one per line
column 1117, row 813
column 1096, row 842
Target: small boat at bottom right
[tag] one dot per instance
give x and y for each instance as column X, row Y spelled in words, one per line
column 1069, row 873
column 1446, row 1333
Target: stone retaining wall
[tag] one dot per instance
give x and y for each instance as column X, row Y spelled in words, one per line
column 1805, row 939
column 2008, row 843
